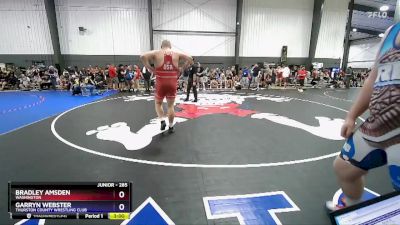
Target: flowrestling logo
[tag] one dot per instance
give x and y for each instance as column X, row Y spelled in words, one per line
column 380, row 15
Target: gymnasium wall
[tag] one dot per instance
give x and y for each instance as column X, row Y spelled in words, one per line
column 190, row 26
column 332, row 30
column 24, row 28
column 269, row 25
column 363, row 53
column 117, row 31
column 113, row 27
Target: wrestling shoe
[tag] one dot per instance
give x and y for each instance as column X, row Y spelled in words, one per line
column 171, row 130
column 163, row 125
column 331, row 206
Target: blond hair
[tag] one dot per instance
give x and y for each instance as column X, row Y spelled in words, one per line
column 165, row 44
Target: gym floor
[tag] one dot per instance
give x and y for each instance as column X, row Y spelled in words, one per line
column 238, row 146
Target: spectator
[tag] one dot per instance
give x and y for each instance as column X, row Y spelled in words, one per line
column 76, row 85
column 203, row 79
column 255, row 73
column 285, row 75
column 64, row 80
column 229, row 79
column 53, row 75
column 267, row 77
column 138, row 76
column 129, row 75
column 107, row 78
column 236, row 82
column 13, row 80
column 121, row 77
column 279, row 75
column 245, row 77
column 355, row 79
column 24, row 82
column 348, row 77
column 294, row 75
column 147, row 75
column 4, row 79
column 112, row 72
column 46, row 82
column 301, row 75
column 222, row 79
column 36, row 81
column 213, row 80
column 100, row 79
column 89, row 85
column 315, row 78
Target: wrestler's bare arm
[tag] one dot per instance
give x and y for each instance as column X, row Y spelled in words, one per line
column 146, row 58
column 188, row 60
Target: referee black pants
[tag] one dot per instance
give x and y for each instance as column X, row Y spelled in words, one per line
column 191, row 86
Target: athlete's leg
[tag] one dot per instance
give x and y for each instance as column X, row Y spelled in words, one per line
column 393, row 156
column 159, row 108
column 171, row 111
column 356, row 158
column 350, row 179
column 160, row 112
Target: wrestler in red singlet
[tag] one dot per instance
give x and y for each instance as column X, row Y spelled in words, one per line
column 166, row 70
column 166, row 78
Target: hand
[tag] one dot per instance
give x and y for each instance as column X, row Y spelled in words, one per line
column 348, row 127
column 194, row 84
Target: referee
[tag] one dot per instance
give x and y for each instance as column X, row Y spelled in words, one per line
column 194, row 71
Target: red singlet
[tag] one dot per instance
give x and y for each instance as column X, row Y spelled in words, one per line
column 166, row 79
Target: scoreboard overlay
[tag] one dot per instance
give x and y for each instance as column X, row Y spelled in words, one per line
column 72, row 200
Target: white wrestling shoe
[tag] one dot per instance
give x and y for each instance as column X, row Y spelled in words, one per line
column 330, row 206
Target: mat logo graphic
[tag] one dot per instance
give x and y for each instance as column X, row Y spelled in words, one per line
column 260, row 209
column 250, row 209
column 121, row 133
column 149, row 212
column 31, row 222
column 211, row 104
